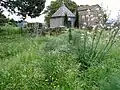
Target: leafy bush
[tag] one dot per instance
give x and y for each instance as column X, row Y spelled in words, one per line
column 9, row 29
column 88, row 48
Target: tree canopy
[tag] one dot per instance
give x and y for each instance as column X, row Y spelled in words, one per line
column 3, row 18
column 76, row 24
column 66, row 20
column 32, row 8
column 52, row 8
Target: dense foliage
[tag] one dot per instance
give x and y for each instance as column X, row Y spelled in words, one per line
column 66, row 20
column 3, row 19
column 52, row 63
column 76, row 24
column 31, row 8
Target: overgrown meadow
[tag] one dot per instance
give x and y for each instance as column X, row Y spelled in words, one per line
column 76, row 60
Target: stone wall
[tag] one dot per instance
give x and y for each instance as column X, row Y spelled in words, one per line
column 90, row 15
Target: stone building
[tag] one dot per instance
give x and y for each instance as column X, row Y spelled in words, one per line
column 90, row 15
column 57, row 19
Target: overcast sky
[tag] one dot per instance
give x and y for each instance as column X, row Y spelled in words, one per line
column 112, row 5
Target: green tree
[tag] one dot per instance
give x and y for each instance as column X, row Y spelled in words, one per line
column 76, row 24
column 3, row 19
column 25, row 8
column 105, row 18
column 66, row 20
column 13, row 22
column 53, row 7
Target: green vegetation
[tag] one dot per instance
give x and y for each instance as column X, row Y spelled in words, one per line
column 66, row 20
column 24, row 8
column 76, row 24
column 86, row 62
column 3, row 19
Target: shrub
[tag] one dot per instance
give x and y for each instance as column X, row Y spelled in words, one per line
column 88, row 49
column 9, row 29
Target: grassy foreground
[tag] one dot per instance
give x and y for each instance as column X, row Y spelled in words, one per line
column 54, row 63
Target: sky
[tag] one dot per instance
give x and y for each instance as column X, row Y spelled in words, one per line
column 112, row 6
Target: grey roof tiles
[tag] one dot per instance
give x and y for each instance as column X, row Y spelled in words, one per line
column 62, row 11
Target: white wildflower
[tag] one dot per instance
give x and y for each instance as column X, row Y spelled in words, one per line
column 116, row 28
column 108, row 27
column 101, row 25
column 85, row 23
column 82, row 34
column 112, row 24
column 89, row 33
column 107, row 34
column 94, row 26
column 87, row 15
column 82, row 37
column 91, row 15
column 99, row 14
column 83, row 17
column 83, row 27
column 92, row 19
column 88, row 10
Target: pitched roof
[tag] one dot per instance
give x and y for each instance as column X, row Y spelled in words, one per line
column 83, row 7
column 62, row 11
column 86, row 7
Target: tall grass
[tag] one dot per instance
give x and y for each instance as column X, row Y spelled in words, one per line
column 9, row 29
column 79, row 60
column 92, row 47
